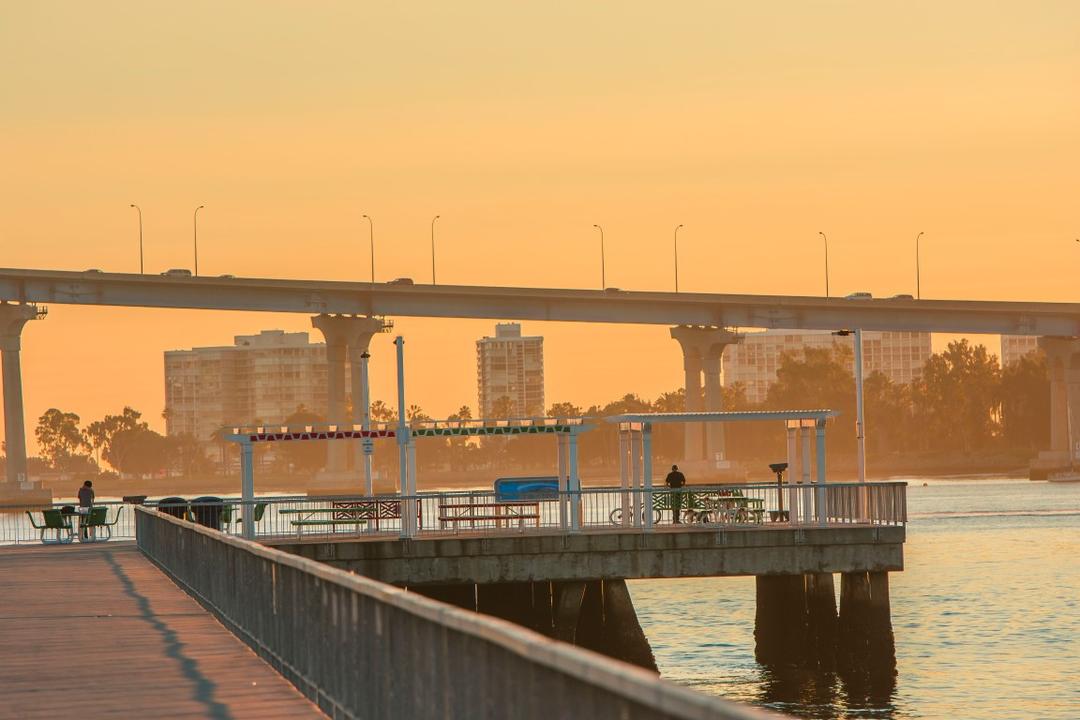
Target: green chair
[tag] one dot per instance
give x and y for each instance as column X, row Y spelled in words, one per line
column 54, row 520
column 257, row 514
column 98, row 517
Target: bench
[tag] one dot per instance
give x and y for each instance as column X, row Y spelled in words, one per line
column 348, row 513
column 497, row 512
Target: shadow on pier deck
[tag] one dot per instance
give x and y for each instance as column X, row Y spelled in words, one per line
column 99, row 631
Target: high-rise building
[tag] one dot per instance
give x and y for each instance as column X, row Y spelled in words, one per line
column 510, row 366
column 1014, row 347
column 261, row 378
column 754, row 361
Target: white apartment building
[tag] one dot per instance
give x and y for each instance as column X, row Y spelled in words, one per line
column 754, row 361
column 260, row 378
column 512, row 366
column 1014, row 347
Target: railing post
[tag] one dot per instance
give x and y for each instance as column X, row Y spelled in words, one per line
column 646, row 456
column 247, row 489
column 575, row 486
column 564, row 479
column 636, row 456
column 822, row 510
column 626, row 438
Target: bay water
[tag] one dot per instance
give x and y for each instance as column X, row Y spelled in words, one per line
column 986, row 615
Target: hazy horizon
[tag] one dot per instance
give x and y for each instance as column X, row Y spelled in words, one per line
column 753, row 126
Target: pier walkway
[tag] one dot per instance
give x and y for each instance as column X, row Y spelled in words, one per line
column 99, row 631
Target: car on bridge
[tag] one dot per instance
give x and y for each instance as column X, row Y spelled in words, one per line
column 401, row 281
column 177, row 273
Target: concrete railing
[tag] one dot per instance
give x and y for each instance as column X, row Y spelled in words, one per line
column 364, row 649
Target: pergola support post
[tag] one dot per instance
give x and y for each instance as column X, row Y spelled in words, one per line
column 247, row 489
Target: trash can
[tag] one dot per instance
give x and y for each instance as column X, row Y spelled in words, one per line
column 175, row 506
column 135, row 499
column 207, row 511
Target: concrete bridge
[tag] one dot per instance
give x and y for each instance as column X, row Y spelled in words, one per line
column 348, row 314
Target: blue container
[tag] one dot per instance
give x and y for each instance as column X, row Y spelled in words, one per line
column 526, row 488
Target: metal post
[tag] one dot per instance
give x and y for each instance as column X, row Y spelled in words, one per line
column 805, row 465
column 635, row 477
column 195, row 223
column 626, row 442
column 402, row 429
column 822, row 511
column 408, row 520
column 574, row 486
column 247, row 489
column 564, row 477
column 365, row 423
column 792, row 461
column 646, row 458
column 860, row 420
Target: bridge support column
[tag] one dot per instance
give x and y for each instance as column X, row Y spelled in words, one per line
column 344, row 334
column 12, row 320
column 1063, row 367
column 703, row 349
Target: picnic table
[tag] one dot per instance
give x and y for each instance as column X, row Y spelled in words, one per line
column 501, row 513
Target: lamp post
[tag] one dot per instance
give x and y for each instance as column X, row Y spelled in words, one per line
column 918, row 279
column 826, row 262
column 433, row 248
column 677, row 257
column 860, row 419
column 365, row 422
column 603, row 274
column 195, row 224
column 371, row 241
column 140, row 238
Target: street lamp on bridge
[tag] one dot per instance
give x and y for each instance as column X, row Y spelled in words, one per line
column 677, row 257
column 826, row 262
column 433, row 248
column 195, row 223
column 918, row 280
column 603, row 277
column 371, row 242
column 140, row 237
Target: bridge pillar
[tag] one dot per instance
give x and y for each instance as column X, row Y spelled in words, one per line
column 1063, row 367
column 703, row 350
column 12, row 320
column 351, row 335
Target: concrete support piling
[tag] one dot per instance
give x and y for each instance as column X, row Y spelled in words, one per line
column 12, row 320
column 821, row 619
column 350, row 336
column 703, row 349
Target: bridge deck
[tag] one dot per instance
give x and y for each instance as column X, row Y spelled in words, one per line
column 99, row 631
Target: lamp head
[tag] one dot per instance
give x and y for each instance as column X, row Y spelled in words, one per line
column 778, row 467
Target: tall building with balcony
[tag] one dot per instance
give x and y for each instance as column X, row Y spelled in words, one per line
column 510, row 366
column 260, row 378
column 1014, row 347
column 754, row 361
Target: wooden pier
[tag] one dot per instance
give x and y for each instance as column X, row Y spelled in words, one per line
column 98, row 631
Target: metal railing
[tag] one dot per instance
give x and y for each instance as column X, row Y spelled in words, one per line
column 482, row 512
column 361, row 648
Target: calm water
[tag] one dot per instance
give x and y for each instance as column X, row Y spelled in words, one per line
column 986, row 615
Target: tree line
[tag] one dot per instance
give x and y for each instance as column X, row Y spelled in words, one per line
column 962, row 401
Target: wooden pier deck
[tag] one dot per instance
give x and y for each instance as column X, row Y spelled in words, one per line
column 95, row 631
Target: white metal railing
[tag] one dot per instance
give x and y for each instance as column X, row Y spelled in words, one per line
column 749, row 506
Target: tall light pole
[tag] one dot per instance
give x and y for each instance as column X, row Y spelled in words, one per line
column 677, row 257
column 603, row 272
column 195, row 223
column 860, row 418
column 826, row 262
column 433, row 248
column 918, row 279
column 140, row 237
column 371, row 241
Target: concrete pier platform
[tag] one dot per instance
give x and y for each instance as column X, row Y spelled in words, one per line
column 97, row 631
column 685, row 552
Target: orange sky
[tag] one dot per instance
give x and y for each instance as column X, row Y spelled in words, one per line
column 754, row 124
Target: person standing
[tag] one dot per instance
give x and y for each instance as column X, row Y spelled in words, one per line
column 675, row 480
column 86, row 500
column 86, row 495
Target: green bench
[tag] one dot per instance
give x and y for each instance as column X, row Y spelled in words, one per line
column 98, row 517
column 55, row 521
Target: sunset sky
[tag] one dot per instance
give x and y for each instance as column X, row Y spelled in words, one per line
column 754, row 124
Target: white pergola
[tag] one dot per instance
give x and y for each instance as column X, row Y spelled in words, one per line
column 635, row 447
